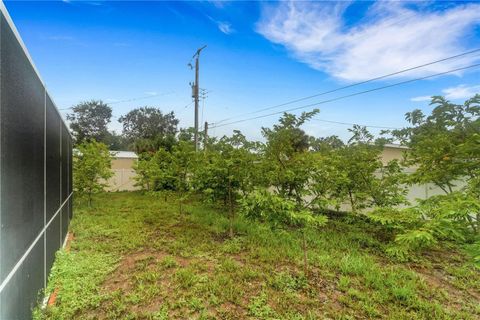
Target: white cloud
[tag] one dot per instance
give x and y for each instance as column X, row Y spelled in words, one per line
column 421, row 98
column 461, row 92
column 219, row 4
column 225, row 27
column 453, row 93
column 390, row 37
column 151, row 93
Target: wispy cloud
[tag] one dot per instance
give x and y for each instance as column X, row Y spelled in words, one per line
column 93, row 3
column 390, row 37
column 88, row 2
column 223, row 26
column 421, row 98
column 461, row 92
column 151, row 93
column 176, row 12
column 454, row 93
column 219, row 3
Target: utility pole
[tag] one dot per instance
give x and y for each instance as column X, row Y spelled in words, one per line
column 195, row 93
column 205, row 137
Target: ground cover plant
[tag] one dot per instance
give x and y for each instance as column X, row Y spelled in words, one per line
column 135, row 256
column 295, row 227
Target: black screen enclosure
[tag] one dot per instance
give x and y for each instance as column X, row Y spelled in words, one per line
column 35, row 177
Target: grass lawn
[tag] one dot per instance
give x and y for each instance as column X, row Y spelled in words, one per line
column 135, row 256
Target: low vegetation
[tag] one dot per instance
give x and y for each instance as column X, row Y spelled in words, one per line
column 295, row 227
column 296, row 179
column 135, row 256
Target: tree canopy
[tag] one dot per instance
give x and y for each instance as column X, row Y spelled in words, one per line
column 148, row 123
column 89, row 121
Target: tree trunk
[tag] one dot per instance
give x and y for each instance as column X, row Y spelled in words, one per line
column 90, row 199
column 180, row 202
column 449, row 188
column 89, row 195
column 352, row 202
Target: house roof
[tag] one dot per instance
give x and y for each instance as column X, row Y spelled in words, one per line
column 395, row 146
column 124, row 154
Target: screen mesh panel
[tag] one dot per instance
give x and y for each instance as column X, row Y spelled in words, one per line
column 22, row 100
column 35, row 178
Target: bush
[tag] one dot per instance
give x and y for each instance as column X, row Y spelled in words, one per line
column 91, row 169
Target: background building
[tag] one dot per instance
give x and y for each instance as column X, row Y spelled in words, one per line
column 417, row 191
column 123, row 173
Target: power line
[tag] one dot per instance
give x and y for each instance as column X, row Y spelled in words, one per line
column 352, row 85
column 188, row 105
column 352, row 124
column 183, row 107
column 131, row 99
column 350, row 95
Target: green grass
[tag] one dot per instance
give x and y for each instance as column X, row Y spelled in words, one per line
column 135, row 257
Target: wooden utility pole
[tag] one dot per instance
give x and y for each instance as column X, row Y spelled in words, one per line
column 195, row 93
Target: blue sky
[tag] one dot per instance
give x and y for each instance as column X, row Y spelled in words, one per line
column 259, row 55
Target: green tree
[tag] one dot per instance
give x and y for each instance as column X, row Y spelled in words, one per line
column 116, row 141
column 188, row 135
column 146, row 169
column 148, row 129
column 91, row 169
column 442, row 147
column 325, row 181
column 183, row 155
column 227, row 171
column 325, row 144
column 361, row 178
column 167, row 170
column 266, row 207
column 445, row 149
column 89, row 121
column 156, row 170
column 287, row 163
